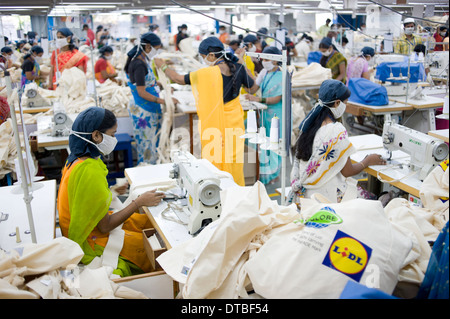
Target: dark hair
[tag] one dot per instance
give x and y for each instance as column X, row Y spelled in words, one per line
column 85, row 26
column 420, row 48
column 304, row 144
column 230, row 64
column 109, row 120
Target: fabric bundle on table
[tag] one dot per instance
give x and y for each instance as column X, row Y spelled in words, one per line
column 50, row 271
column 314, row 74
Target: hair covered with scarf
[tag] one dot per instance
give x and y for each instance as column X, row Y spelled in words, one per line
column 215, row 46
column 330, row 91
column 146, row 38
column 67, row 33
column 88, row 121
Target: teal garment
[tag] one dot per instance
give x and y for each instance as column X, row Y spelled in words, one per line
column 270, row 162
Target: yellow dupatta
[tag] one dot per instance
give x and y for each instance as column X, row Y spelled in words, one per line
column 221, row 124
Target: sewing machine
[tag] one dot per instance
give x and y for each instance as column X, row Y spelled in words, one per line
column 62, row 123
column 32, row 98
column 438, row 63
column 426, row 151
column 203, row 191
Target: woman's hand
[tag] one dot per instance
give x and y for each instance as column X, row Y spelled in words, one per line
column 122, row 189
column 251, row 97
column 159, row 62
column 150, row 198
column 374, row 159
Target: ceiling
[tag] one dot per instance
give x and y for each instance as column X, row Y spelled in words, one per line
column 42, row 7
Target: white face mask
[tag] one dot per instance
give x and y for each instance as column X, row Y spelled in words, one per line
column 61, row 43
column 151, row 54
column 38, row 59
column 409, row 31
column 252, row 49
column 106, row 146
column 327, row 53
column 338, row 111
column 210, row 63
column 443, row 34
column 108, row 57
column 268, row 65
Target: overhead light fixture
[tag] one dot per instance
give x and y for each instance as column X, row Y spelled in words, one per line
column 24, row 7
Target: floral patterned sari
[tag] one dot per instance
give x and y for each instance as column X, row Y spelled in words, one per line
column 322, row 173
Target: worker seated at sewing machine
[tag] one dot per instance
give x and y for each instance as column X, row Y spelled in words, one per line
column 84, row 199
column 426, row 151
column 322, row 160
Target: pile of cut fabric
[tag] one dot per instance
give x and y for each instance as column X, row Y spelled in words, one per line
column 51, row 271
column 8, row 150
column 314, row 74
column 277, row 252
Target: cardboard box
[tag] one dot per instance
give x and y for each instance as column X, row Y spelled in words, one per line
column 152, row 254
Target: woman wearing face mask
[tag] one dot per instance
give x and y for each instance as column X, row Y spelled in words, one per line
column 146, row 110
column 216, row 90
column 66, row 56
column 322, row 157
column 103, row 68
column 270, row 82
column 333, row 60
column 6, row 57
column 251, row 44
column 358, row 66
column 439, row 36
column 31, row 71
column 84, row 197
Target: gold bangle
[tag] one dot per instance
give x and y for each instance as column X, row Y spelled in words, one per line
column 364, row 167
column 137, row 207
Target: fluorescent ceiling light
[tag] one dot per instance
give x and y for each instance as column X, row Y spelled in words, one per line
column 86, row 7
column 24, row 7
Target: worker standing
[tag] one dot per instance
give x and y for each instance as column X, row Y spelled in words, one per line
column 270, row 82
column 146, row 109
column 324, row 29
column 408, row 41
column 216, row 92
column 181, row 35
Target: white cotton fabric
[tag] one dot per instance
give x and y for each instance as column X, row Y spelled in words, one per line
column 314, row 74
column 291, row 263
column 58, row 274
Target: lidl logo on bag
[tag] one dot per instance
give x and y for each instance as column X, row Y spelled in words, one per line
column 348, row 256
column 323, row 218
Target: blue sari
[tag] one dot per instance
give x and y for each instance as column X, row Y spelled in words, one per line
column 147, row 118
column 270, row 162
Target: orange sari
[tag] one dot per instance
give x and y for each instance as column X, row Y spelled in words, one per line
column 67, row 60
